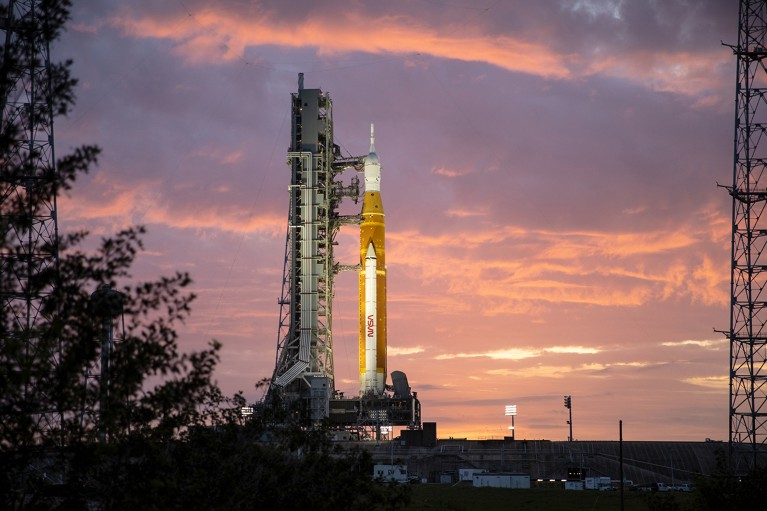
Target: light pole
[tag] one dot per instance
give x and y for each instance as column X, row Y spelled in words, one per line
column 511, row 410
column 569, row 406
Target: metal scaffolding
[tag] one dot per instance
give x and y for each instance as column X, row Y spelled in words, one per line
column 304, row 362
column 28, row 189
column 748, row 313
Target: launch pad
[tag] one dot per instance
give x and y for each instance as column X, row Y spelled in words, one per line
column 371, row 416
column 303, row 380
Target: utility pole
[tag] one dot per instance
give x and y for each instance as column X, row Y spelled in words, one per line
column 620, row 455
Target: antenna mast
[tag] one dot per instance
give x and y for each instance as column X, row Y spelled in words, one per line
column 748, row 313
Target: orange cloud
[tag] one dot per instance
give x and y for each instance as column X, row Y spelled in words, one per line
column 465, row 213
column 578, row 350
column 708, row 344
column 224, row 34
column 626, row 269
column 506, row 354
column 521, row 353
column 236, row 221
column 592, row 370
column 143, row 204
column 394, row 351
column 213, row 34
column 537, row 371
column 711, row 382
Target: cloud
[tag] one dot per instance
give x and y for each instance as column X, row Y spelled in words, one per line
column 711, row 382
column 144, row 203
column 522, row 353
column 592, row 369
column 446, row 172
column 679, row 72
column 537, row 371
column 465, row 213
column 394, row 351
column 505, row 354
column 213, row 34
column 597, row 8
column 217, row 34
column 577, row 350
column 708, row 344
column 609, row 269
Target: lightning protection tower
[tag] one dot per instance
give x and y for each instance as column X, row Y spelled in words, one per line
column 303, row 371
column 748, row 313
column 27, row 190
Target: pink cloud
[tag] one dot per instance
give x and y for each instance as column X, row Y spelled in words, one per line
column 141, row 203
column 600, row 268
column 214, row 34
column 219, row 34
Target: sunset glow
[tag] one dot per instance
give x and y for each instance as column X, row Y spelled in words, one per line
column 549, row 172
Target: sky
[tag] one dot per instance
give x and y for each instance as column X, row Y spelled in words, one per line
column 550, row 169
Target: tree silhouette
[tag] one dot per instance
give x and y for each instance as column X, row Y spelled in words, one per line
column 53, row 366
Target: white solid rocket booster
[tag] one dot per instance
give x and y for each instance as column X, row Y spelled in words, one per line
column 371, row 317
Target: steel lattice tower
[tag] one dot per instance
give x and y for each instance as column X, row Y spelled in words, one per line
column 748, row 313
column 304, row 363
column 27, row 182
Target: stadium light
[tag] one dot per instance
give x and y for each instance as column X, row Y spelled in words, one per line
column 511, row 411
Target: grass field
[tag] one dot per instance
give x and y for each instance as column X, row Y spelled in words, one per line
column 467, row 498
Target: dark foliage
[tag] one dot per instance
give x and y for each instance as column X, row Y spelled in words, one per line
column 241, row 468
column 663, row 502
column 724, row 489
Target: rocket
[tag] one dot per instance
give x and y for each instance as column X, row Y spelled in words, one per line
column 372, row 280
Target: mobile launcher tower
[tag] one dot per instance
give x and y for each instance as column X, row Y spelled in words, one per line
column 303, row 379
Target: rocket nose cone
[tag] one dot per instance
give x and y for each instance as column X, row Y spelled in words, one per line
column 372, row 159
column 371, row 251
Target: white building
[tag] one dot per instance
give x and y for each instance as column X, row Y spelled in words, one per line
column 467, row 474
column 391, row 473
column 598, row 483
column 500, row 480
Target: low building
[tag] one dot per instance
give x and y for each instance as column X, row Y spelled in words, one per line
column 467, row 474
column 598, row 483
column 390, row 473
column 501, row 480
